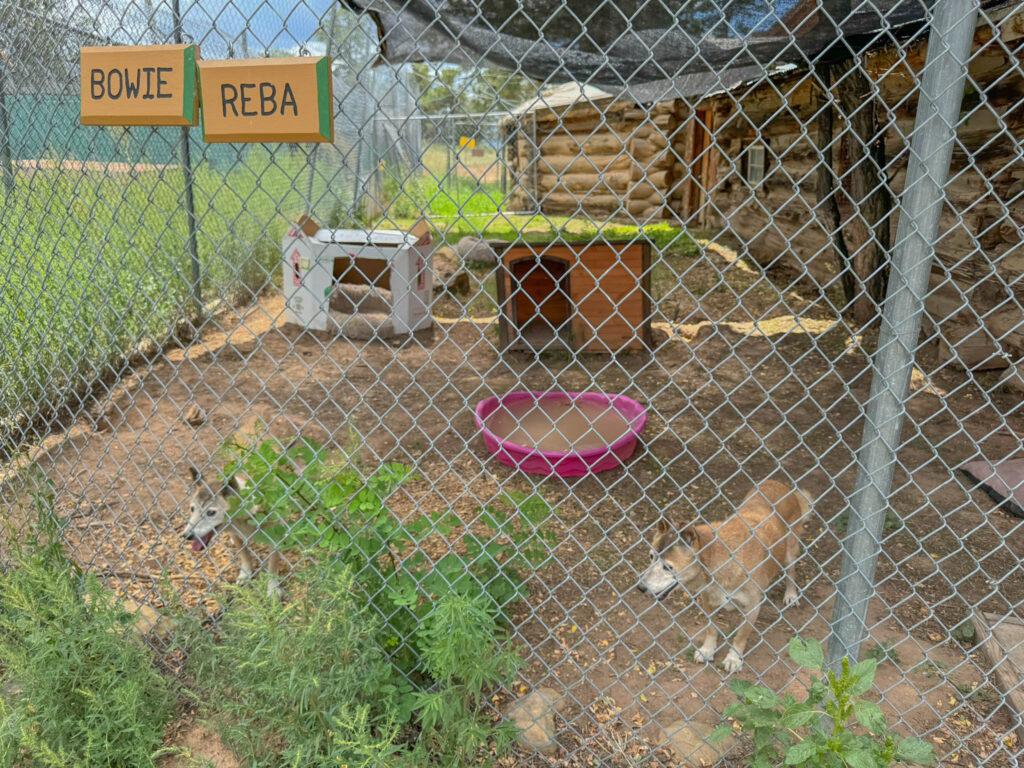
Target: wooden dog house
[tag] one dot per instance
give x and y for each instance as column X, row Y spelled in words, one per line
column 590, row 296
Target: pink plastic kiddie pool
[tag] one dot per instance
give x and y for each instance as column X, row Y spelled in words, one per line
column 569, row 434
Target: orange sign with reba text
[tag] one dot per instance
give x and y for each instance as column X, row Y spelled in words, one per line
column 139, row 85
column 267, row 100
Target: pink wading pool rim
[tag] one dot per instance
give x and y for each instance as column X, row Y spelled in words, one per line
column 563, row 463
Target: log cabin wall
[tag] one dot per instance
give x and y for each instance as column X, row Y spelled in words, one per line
column 685, row 162
column 602, row 158
column 985, row 195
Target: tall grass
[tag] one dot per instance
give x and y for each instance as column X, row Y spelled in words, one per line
column 95, row 263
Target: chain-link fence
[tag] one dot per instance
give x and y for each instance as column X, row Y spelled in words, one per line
column 789, row 234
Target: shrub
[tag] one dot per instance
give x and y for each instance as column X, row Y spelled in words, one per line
column 307, row 682
column 303, row 683
column 817, row 731
column 307, row 499
column 79, row 688
column 385, row 656
column 459, row 640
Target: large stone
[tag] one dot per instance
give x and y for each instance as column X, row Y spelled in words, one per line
column 148, row 621
column 689, row 740
column 194, row 415
column 1013, row 379
column 474, row 250
column 448, row 273
column 534, row 716
column 351, row 299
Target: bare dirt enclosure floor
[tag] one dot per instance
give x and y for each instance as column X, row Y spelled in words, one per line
column 731, row 404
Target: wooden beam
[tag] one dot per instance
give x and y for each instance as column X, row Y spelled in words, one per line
column 1002, row 642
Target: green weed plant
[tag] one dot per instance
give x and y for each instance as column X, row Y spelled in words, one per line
column 78, row 687
column 307, row 498
column 308, row 681
column 833, row 727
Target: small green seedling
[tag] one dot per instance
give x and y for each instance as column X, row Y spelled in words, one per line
column 892, row 522
column 816, row 732
column 885, row 651
column 966, row 633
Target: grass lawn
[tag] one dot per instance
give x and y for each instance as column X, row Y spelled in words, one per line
column 98, row 262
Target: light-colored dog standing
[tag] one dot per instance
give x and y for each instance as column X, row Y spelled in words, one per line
column 209, row 505
column 732, row 563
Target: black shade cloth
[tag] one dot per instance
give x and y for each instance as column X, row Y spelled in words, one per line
column 617, row 43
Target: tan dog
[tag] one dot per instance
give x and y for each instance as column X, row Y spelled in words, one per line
column 734, row 562
column 208, row 517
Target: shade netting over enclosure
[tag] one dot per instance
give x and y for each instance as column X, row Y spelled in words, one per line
column 635, row 42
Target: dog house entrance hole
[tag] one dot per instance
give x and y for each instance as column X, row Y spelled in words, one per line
column 540, row 298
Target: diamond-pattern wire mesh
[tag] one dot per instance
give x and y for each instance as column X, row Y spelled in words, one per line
column 758, row 364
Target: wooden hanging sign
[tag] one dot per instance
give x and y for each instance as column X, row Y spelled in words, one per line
column 140, row 85
column 267, row 100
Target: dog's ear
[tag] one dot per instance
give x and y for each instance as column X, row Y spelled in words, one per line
column 690, row 536
column 662, row 529
column 236, row 484
column 194, row 472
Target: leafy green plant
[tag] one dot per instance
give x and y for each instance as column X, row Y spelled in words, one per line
column 821, row 730
column 308, row 682
column 302, row 683
column 462, row 650
column 307, row 498
column 965, row 633
column 79, row 689
column 892, row 522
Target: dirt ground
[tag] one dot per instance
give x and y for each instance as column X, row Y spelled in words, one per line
column 732, row 401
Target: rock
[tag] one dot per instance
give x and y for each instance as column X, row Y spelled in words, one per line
column 148, row 349
column 360, row 299
column 10, row 690
column 458, row 284
column 972, row 352
column 534, row 716
column 194, row 415
column 363, row 325
column 1013, row 379
column 148, row 620
column 473, row 250
column 448, row 273
column 689, row 740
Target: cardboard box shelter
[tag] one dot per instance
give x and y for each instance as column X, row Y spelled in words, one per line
column 315, row 260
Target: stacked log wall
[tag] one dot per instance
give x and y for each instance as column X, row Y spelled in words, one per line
column 626, row 161
column 601, row 160
column 978, row 279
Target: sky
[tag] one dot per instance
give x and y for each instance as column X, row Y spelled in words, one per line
column 214, row 24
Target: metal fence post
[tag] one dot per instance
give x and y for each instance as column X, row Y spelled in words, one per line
column 6, row 163
column 190, row 205
column 931, row 149
column 312, row 153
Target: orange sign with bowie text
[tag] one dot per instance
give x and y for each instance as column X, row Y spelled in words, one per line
column 140, row 85
column 267, row 100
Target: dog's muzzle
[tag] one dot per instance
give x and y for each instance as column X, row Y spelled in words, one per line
column 199, row 543
column 660, row 595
